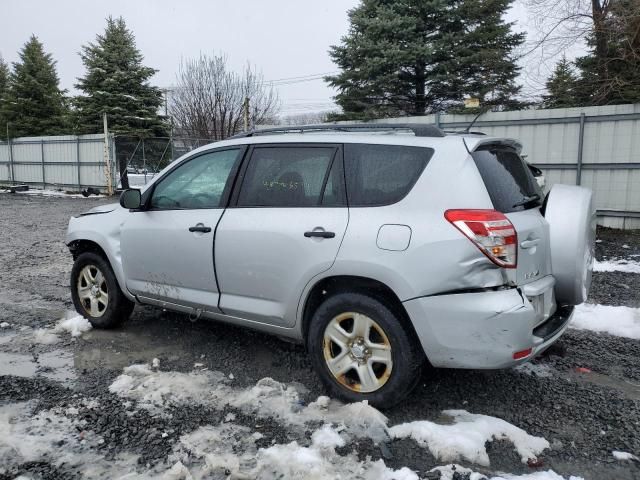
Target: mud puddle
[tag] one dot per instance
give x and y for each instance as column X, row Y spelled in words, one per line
column 55, row 365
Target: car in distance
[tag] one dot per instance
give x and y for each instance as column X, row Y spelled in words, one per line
column 380, row 247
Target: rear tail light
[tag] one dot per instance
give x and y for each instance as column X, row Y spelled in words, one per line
column 490, row 231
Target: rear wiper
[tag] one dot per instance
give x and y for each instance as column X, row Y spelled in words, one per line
column 527, row 200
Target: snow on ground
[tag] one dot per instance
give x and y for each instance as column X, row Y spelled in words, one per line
column 75, row 325
column 619, row 321
column 44, row 336
column 229, row 451
column 447, row 472
column 268, row 398
column 55, row 437
column 624, row 456
column 52, row 193
column 466, row 438
column 616, row 265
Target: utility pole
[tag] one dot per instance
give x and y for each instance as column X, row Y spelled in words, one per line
column 245, row 109
column 107, row 155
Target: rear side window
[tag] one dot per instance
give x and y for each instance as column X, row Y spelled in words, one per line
column 511, row 185
column 292, row 177
column 382, row 174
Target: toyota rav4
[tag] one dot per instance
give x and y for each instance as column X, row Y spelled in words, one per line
column 382, row 248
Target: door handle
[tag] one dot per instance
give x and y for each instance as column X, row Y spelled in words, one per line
column 319, row 234
column 200, row 228
column 530, row 243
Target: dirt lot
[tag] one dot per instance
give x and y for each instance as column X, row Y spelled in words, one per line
column 59, row 418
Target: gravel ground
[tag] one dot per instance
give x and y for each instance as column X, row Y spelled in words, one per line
column 585, row 416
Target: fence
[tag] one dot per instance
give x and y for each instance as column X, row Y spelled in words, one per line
column 598, row 147
column 68, row 162
column 74, row 163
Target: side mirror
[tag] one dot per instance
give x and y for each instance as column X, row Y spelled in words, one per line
column 131, row 199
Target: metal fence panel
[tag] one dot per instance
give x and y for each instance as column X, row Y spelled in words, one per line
column 65, row 161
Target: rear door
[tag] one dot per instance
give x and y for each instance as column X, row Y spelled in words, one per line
column 515, row 192
column 284, row 226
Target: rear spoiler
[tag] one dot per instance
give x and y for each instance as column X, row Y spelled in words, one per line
column 473, row 143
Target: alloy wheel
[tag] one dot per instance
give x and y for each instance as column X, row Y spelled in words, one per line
column 357, row 352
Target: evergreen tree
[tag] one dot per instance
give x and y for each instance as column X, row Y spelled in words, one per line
column 562, row 87
column 610, row 74
column 116, row 82
column 411, row 57
column 4, row 81
column 33, row 103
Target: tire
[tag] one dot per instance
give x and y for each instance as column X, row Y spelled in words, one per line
column 387, row 383
column 572, row 230
column 96, row 293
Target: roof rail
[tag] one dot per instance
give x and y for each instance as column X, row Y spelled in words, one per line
column 418, row 129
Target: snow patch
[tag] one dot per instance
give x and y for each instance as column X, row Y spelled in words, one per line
column 52, row 437
column 619, row 321
column 616, row 265
column 623, row 456
column 44, row 336
column 466, row 438
column 76, row 326
column 155, row 390
column 448, row 472
column 229, row 450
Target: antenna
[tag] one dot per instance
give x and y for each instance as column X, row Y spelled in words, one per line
column 481, row 112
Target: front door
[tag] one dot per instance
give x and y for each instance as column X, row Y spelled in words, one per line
column 283, row 227
column 167, row 247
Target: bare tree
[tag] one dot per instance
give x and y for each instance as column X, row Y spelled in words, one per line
column 208, row 99
column 611, row 28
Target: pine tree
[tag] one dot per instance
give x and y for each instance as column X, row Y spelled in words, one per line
column 33, row 102
column 610, row 73
column 116, row 82
column 4, row 81
column 562, row 87
column 411, row 57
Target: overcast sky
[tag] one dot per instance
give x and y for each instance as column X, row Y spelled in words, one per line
column 283, row 38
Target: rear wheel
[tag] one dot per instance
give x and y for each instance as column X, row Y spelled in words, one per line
column 96, row 293
column 362, row 350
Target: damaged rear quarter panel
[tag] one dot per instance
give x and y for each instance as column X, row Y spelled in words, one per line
column 473, row 330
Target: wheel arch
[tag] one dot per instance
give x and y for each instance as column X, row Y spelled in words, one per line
column 76, row 247
column 332, row 285
column 90, row 243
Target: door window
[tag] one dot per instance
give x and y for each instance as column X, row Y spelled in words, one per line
column 382, row 174
column 291, row 177
column 198, row 183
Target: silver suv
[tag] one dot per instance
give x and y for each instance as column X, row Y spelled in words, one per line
column 380, row 247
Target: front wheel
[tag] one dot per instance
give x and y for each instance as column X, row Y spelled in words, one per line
column 363, row 351
column 96, row 293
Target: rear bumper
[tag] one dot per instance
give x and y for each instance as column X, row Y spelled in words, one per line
column 483, row 330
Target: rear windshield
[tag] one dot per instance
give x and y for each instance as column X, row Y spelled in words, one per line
column 382, row 174
column 511, row 185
